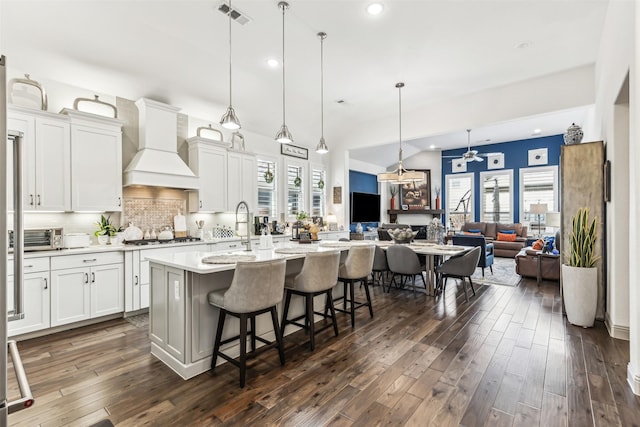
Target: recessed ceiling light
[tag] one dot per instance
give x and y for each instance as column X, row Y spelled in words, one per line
column 537, row 131
column 273, row 63
column 374, row 8
column 433, row 147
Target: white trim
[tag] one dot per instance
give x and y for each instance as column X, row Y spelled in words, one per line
column 616, row 331
column 633, row 380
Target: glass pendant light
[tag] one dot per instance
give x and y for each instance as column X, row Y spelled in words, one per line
column 400, row 175
column 229, row 120
column 322, row 148
column 283, row 136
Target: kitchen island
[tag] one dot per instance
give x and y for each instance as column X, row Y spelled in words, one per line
column 182, row 323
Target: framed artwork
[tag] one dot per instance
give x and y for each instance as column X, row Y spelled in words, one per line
column 294, row 151
column 538, row 157
column 337, row 195
column 417, row 194
column 458, row 165
column 495, row 161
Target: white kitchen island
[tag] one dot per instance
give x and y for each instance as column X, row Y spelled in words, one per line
column 182, row 323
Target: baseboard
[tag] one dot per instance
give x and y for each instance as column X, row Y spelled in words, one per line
column 616, row 331
column 634, row 380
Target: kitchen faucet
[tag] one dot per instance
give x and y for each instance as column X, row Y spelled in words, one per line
column 245, row 222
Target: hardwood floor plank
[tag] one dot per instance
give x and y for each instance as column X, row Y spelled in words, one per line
column 578, row 401
column 426, row 412
column 526, row 416
column 486, row 392
column 533, row 385
column 605, row 415
column 508, row 394
column 396, row 391
column 554, row 410
column 498, row 419
column 556, row 373
column 402, row 411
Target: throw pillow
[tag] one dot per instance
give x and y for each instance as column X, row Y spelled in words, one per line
column 507, row 231
column 507, row 237
column 473, row 230
column 538, row 244
column 469, row 233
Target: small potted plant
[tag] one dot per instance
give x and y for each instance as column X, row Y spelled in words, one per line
column 105, row 230
column 579, row 275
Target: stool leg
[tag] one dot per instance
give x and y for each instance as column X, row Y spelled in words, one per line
column 353, row 307
column 366, row 291
column 287, row 301
column 309, row 319
column 243, row 349
column 217, row 339
column 276, row 330
column 344, row 292
column 253, row 333
column 333, row 311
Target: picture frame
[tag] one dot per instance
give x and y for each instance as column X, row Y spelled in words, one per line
column 417, row 194
column 294, row 151
column 495, row 161
column 458, row 165
column 538, row 157
column 404, row 207
column 337, row 195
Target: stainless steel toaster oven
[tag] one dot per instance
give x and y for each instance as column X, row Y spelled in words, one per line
column 39, row 239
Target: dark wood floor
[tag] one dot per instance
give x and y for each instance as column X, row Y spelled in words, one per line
column 506, row 358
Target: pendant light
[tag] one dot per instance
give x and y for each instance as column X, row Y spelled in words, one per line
column 322, row 148
column 283, row 136
column 400, row 175
column 229, row 120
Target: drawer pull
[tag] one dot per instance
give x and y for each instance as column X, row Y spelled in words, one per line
column 28, row 266
column 89, row 260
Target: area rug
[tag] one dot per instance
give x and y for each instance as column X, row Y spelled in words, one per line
column 504, row 273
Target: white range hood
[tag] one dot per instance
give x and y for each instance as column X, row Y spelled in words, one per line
column 157, row 162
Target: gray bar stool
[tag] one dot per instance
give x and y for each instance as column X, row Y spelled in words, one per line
column 318, row 276
column 356, row 268
column 256, row 288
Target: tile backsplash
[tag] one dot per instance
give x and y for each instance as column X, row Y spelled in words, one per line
column 151, row 213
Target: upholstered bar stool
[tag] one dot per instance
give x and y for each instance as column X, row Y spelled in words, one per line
column 356, row 268
column 256, row 288
column 404, row 262
column 318, row 276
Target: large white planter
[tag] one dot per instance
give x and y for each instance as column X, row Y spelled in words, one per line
column 580, row 294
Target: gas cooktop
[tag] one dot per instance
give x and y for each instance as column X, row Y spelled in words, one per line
column 146, row 242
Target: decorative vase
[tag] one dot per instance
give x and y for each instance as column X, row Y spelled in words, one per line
column 574, row 134
column 103, row 239
column 580, row 294
column 437, row 202
column 392, row 203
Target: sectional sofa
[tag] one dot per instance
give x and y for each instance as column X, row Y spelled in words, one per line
column 502, row 247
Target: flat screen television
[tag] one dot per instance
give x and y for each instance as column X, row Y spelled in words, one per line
column 365, row 207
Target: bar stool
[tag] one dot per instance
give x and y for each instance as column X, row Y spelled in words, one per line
column 356, row 268
column 318, row 276
column 256, row 288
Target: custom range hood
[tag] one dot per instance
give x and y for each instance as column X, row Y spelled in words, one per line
column 157, row 162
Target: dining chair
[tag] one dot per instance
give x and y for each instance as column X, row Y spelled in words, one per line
column 404, row 262
column 459, row 267
column 319, row 274
column 256, row 288
column 355, row 269
column 486, row 254
column 380, row 266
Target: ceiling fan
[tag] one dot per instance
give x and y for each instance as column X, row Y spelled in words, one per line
column 470, row 155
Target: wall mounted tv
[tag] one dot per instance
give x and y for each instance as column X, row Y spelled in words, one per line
column 365, row 207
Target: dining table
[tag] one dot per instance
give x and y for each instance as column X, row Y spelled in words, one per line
column 432, row 252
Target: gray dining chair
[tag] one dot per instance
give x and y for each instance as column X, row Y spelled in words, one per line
column 380, row 266
column 256, row 288
column 459, row 267
column 355, row 269
column 404, row 262
column 319, row 274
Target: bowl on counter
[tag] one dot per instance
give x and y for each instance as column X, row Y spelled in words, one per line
column 76, row 240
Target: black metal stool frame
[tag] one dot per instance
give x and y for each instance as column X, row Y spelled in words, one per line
column 309, row 324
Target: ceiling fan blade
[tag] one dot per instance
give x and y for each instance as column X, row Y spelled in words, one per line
column 478, row 159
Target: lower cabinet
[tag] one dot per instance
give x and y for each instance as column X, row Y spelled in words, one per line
column 92, row 287
column 36, row 297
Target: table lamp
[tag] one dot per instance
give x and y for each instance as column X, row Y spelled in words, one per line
column 552, row 220
column 538, row 209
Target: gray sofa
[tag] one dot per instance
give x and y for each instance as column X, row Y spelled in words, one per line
column 490, row 231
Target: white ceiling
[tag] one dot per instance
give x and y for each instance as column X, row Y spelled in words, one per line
column 177, row 51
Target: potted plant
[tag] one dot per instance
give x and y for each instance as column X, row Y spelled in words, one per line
column 105, row 230
column 579, row 275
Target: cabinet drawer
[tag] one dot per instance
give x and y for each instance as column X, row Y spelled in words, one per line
column 227, row 246
column 30, row 265
column 86, row 260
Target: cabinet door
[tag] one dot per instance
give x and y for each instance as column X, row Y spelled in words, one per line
column 107, row 296
column 70, row 295
column 36, row 304
column 52, row 165
column 213, row 180
column 96, row 177
column 234, row 180
column 25, row 124
column 249, row 181
column 144, row 284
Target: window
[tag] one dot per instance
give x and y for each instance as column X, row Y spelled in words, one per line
column 497, row 196
column 317, row 192
column 538, row 185
column 267, row 194
column 295, row 193
column 459, row 199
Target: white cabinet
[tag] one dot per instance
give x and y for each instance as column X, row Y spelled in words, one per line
column 36, row 297
column 96, row 158
column 208, row 160
column 86, row 286
column 242, row 179
column 46, row 159
column 333, row 235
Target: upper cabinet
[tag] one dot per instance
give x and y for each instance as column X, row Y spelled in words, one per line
column 46, row 159
column 241, row 179
column 96, row 162
column 208, row 160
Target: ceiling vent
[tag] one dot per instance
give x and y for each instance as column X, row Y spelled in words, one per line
column 236, row 15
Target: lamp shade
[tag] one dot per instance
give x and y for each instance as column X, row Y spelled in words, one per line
column 553, row 219
column 538, row 208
